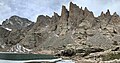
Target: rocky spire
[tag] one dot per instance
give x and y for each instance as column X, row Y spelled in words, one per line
column 55, row 18
column 71, row 9
column 81, row 8
column 102, row 15
column 75, row 15
column 115, row 14
column 74, row 10
column 88, row 13
column 55, row 14
column 81, row 11
column 64, row 13
column 115, row 19
column 86, row 9
column 108, row 13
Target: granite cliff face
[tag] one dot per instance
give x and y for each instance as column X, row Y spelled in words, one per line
column 77, row 28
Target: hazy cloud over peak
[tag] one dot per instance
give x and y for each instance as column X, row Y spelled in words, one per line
column 32, row 8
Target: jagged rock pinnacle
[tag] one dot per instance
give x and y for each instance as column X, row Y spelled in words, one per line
column 86, row 9
column 64, row 13
column 102, row 15
column 88, row 13
column 71, row 8
column 81, row 8
column 115, row 14
column 55, row 14
column 108, row 13
column 74, row 10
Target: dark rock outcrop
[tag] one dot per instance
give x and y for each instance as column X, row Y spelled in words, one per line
column 68, row 52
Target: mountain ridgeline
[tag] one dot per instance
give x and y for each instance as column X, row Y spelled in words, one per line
column 76, row 27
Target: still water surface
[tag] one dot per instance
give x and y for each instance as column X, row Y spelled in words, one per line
column 21, row 58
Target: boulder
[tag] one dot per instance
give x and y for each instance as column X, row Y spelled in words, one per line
column 68, row 52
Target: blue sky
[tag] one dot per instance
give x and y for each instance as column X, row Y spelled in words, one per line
column 32, row 8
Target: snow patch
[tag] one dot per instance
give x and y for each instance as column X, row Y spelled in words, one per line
column 28, row 24
column 66, row 61
column 47, row 26
column 20, row 49
column 8, row 29
column 11, row 22
column 56, row 35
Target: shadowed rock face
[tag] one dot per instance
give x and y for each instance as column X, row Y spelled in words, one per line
column 76, row 26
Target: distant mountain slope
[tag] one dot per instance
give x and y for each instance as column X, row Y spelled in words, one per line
column 16, row 22
column 13, row 30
